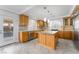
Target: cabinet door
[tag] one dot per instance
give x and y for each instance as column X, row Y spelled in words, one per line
column 67, row 35
column 26, row 20
column 40, row 24
column 60, row 34
column 72, row 35
column 24, row 36
column 41, row 39
column 51, row 41
column 34, row 34
column 23, row 20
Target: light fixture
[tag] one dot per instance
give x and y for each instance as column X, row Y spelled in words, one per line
column 48, row 21
column 45, row 19
column 45, row 7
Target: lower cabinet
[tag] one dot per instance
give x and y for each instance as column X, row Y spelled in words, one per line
column 60, row 34
column 51, row 41
column 66, row 35
column 34, row 34
column 23, row 36
column 47, row 40
column 41, row 39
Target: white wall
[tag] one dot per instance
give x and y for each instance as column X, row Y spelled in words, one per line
column 15, row 18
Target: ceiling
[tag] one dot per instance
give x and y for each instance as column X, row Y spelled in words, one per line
column 40, row 11
column 18, row 9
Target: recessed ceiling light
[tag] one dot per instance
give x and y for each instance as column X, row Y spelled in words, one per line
column 45, row 7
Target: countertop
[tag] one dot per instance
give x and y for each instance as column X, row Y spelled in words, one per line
column 48, row 32
column 37, row 30
column 28, row 30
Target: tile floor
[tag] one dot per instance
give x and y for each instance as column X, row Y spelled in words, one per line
column 31, row 47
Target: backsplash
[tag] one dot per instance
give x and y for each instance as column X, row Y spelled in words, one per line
column 32, row 24
column 53, row 24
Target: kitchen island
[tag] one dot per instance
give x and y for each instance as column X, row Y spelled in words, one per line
column 48, row 39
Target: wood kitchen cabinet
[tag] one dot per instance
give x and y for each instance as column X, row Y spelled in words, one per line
column 23, row 36
column 47, row 40
column 60, row 34
column 73, row 35
column 68, row 21
column 23, row 20
column 67, row 31
column 66, row 35
column 34, row 34
column 51, row 41
column 40, row 24
column 42, row 39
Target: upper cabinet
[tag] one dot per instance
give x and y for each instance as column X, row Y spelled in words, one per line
column 67, row 24
column 68, row 21
column 41, row 24
column 23, row 20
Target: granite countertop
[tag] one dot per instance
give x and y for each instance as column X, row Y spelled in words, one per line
column 29, row 30
column 24, row 29
column 48, row 32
